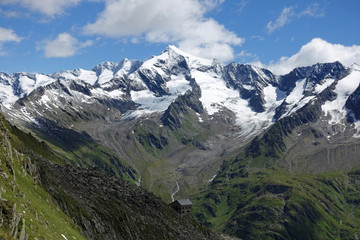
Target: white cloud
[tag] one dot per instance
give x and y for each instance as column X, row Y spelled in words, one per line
column 50, row 8
column 63, row 46
column 242, row 4
column 288, row 13
column 180, row 22
column 316, row 51
column 246, row 56
column 9, row 14
column 284, row 18
column 257, row 37
column 313, row 11
column 211, row 4
column 7, row 35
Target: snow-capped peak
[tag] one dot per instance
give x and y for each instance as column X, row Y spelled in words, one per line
column 253, row 94
column 126, row 67
column 111, row 66
column 173, row 50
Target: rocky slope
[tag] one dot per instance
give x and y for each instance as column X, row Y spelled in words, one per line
column 42, row 198
column 107, row 207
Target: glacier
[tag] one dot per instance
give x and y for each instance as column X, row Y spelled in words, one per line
column 256, row 96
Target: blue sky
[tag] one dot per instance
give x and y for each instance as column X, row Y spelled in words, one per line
column 53, row 35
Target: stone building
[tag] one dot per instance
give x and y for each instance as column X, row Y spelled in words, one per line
column 182, row 206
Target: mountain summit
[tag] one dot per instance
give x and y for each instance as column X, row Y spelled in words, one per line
column 188, row 112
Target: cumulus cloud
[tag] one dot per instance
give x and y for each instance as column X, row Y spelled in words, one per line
column 288, row 13
column 50, row 8
column 7, row 35
column 317, row 51
column 180, row 22
column 211, row 4
column 63, row 46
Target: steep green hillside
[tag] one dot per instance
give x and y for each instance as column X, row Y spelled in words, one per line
column 79, row 149
column 26, row 210
column 276, row 204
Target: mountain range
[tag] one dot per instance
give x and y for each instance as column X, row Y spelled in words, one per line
column 182, row 126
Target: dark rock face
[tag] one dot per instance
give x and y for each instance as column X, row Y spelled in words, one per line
column 106, row 207
column 353, row 104
column 67, row 106
column 154, row 83
column 240, row 74
column 175, row 65
column 79, row 88
column 17, row 89
column 313, row 75
column 118, row 83
column 115, row 67
column 280, row 110
column 249, row 81
column 174, row 114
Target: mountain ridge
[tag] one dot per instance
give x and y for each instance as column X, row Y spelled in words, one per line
column 176, row 106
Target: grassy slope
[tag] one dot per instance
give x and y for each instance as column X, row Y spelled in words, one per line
column 80, row 150
column 275, row 204
column 20, row 193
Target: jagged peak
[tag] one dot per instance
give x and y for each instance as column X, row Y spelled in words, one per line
column 251, row 74
column 319, row 67
column 126, row 67
column 175, row 51
column 105, row 65
column 172, row 47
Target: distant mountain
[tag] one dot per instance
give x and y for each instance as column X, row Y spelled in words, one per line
column 176, row 113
